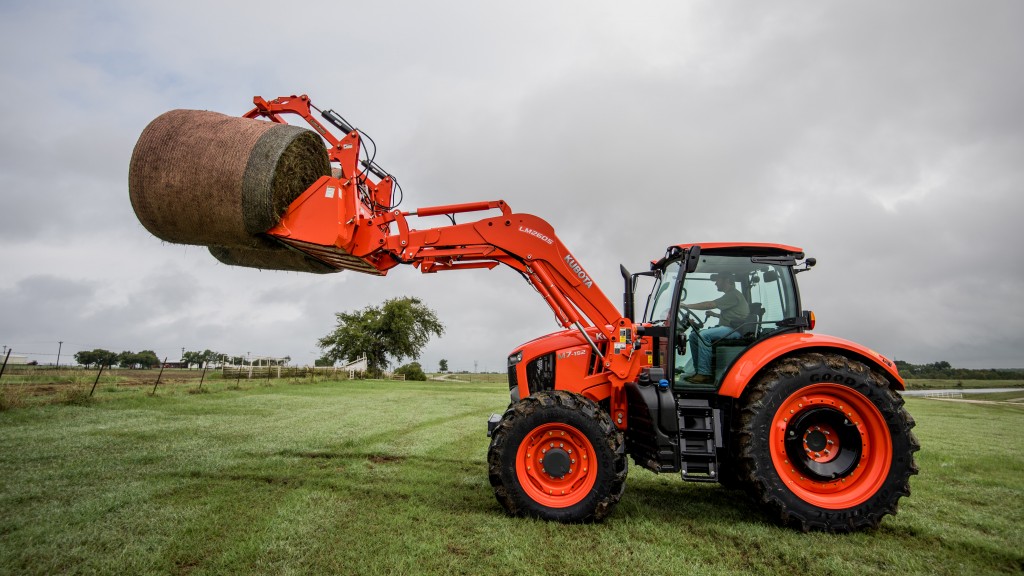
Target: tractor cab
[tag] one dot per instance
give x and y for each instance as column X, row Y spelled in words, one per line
column 718, row 300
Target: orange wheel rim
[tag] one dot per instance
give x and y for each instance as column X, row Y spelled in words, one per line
column 831, row 446
column 556, row 466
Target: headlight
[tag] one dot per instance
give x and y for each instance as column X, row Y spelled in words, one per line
column 515, row 359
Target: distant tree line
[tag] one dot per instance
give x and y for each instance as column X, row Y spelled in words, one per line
column 126, row 359
column 943, row 370
column 148, row 359
column 197, row 358
column 209, row 357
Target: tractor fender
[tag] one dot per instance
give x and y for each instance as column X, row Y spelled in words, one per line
column 764, row 353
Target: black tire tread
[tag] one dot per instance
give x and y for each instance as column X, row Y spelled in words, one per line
column 758, row 477
column 555, row 401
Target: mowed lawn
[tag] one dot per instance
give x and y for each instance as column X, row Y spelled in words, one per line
column 374, row 477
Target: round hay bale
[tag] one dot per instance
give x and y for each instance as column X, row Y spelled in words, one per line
column 205, row 178
column 269, row 256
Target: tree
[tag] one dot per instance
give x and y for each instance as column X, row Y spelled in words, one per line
column 412, row 371
column 84, row 357
column 442, row 366
column 96, row 357
column 191, row 357
column 198, row 359
column 208, row 356
column 147, row 359
column 126, row 359
column 397, row 330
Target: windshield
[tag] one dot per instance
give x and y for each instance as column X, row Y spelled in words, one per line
column 767, row 287
column 659, row 303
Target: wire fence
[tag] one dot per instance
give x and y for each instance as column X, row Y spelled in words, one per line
column 327, row 372
column 943, row 394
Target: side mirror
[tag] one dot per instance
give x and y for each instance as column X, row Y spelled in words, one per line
column 808, row 264
column 692, row 259
column 627, row 295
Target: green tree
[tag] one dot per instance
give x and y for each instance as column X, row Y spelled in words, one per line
column 191, row 357
column 943, row 370
column 147, row 359
column 396, row 330
column 442, row 366
column 85, row 358
column 197, row 358
column 412, row 371
column 126, row 359
column 209, row 356
column 96, row 357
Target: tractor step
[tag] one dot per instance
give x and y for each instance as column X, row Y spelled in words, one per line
column 700, row 436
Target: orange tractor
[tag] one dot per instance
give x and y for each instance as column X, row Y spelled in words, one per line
column 811, row 426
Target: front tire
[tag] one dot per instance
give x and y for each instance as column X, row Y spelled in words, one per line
column 825, row 444
column 557, row 456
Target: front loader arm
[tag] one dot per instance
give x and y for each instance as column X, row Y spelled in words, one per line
column 346, row 221
column 328, row 221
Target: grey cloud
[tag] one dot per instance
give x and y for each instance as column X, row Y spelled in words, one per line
column 883, row 138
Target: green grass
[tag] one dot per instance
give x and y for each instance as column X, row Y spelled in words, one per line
column 375, row 477
column 932, row 384
column 1016, row 396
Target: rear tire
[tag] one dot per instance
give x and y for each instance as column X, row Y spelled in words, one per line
column 557, row 456
column 825, row 444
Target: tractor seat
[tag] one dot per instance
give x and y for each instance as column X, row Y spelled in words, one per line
column 749, row 329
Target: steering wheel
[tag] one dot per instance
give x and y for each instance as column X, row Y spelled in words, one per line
column 687, row 316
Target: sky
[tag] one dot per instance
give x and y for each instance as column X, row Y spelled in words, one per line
column 884, row 138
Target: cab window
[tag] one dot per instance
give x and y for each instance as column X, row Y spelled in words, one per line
column 767, row 288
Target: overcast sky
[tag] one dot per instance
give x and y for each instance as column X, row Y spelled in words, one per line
column 885, row 138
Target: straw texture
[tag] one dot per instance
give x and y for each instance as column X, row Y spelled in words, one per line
column 270, row 256
column 205, row 178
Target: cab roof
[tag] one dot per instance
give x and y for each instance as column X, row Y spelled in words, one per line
column 732, row 249
column 744, row 247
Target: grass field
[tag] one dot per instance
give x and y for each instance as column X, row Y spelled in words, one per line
column 1013, row 397
column 938, row 384
column 374, row 477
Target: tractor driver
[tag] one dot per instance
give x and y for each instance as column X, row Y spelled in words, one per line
column 733, row 313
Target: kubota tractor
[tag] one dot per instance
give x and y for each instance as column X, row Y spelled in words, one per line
column 811, row 426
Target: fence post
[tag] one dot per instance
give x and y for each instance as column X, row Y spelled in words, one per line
column 159, row 376
column 94, row 382
column 203, row 377
column 4, row 367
